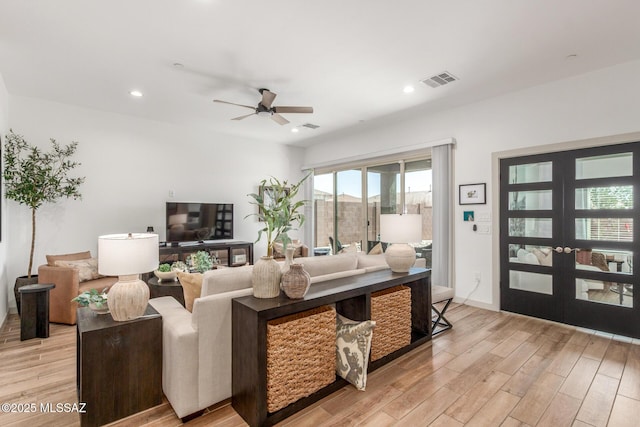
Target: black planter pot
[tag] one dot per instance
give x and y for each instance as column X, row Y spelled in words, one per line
column 20, row 282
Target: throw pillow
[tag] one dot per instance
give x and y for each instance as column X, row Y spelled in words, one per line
column 87, row 268
column 353, row 345
column 51, row 259
column 191, row 286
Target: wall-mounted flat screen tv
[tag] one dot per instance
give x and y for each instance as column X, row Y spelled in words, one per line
column 193, row 222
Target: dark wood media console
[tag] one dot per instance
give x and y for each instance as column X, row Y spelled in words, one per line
column 231, row 253
column 352, row 298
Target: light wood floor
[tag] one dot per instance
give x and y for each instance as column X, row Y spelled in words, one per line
column 491, row 369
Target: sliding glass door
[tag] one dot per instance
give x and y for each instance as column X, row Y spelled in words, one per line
column 348, row 204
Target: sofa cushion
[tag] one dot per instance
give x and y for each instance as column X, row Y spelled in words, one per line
column 192, row 287
column 226, row 279
column 321, row 265
column 87, row 268
column 353, row 344
column 337, row 275
column 51, row 259
column 367, row 261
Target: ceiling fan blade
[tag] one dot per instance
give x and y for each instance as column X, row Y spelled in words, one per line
column 279, row 119
column 233, row 103
column 243, row 117
column 267, row 97
column 293, row 109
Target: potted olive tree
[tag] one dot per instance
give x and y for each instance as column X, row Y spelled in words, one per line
column 280, row 214
column 33, row 177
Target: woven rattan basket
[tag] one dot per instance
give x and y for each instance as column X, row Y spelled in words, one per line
column 301, row 355
column 391, row 309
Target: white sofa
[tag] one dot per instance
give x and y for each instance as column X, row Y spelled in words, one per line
column 196, row 359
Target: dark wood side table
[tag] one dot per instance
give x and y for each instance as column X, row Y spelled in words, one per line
column 34, row 316
column 165, row 288
column 119, row 365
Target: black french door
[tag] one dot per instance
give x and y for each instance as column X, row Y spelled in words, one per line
column 568, row 237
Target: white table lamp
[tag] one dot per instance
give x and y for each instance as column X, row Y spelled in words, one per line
column 127, row 256
column 399, row 230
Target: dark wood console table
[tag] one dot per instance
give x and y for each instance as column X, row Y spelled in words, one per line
column 119, row 365
column 352, row 298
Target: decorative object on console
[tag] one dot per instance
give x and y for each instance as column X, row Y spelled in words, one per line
column 400, row 230
column 279, row 213
column 296, row 282
column 277, row 210
column 353, row 344
column 128, row 256
column 164, row 272
column 265, row 278
column 179, row 266
column 288, row 259
column 96, row 301
column 200, row 261
column 33, row 177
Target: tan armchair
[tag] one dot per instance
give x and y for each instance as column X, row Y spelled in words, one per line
column 68, row 285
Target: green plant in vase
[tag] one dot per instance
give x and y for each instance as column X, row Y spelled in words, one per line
column 278, row 210
column 201, row 261
column 164, row 268
column 33, row 177
column 97, row 301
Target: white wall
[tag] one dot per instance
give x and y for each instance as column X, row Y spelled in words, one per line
column 130, row 164
column 601, row 103
column 4, row 127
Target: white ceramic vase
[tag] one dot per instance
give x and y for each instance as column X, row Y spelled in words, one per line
column 265, row 278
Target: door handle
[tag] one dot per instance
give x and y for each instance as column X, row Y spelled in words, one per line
column 566, row 249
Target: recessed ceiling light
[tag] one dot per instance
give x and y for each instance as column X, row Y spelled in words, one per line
column 408, row 89
column 135, row 93
column 571, row 57
column 295, row 130
column 178, row 65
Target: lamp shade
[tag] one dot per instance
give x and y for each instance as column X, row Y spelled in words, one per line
column 126, row 254
column 405, row 228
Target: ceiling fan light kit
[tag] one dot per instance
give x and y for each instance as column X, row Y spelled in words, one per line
column 265, row 108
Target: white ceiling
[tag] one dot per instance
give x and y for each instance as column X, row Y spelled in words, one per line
column 349, row 59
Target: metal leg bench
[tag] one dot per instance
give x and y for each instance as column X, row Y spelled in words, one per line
column 440, row 294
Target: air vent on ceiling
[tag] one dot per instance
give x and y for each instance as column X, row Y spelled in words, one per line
column 440, row 79
column 310, row 126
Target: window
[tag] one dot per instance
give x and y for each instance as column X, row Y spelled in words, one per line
column 348, row 204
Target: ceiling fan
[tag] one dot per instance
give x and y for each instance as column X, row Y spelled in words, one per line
column 265, row 108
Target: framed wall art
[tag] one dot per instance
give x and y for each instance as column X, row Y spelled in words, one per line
column 473, row 194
